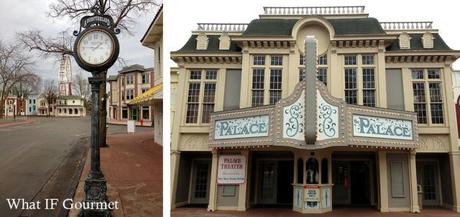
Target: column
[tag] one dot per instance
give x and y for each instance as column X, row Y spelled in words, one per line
column 454, row 158
column 175, row 162
column 213, row 185
column 243, row 188
column 383, row 182
column 415, row 206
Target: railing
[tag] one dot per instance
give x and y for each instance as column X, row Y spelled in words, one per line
column 418, row 25
column 222, row 27
column 325, row 10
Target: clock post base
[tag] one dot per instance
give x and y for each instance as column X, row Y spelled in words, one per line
column 96, row 203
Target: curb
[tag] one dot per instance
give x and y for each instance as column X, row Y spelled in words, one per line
column 16, row 123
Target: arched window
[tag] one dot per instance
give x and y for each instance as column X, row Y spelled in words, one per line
column 324, row 171
column 312, row 170
column 76, row 111
column 300, row 171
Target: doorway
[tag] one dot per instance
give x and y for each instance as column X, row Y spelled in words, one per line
column 201, row 170
column 428, row 178
column 352, row 182
column 274, row 182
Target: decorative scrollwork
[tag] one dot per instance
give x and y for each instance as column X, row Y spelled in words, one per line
column 294, row 125
column 327, row 125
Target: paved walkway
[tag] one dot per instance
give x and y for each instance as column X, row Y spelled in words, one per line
column 284, row 212
column 132, row 165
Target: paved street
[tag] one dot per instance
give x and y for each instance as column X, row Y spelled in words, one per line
column 40, row 160
column 43, row 159
column 337, row 212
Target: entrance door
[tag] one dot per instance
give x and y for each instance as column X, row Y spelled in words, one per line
column 341, row 179
column 285, row 179
column 267, row 175
column 200, row 182
column 428, row 177
column 359, row 184
column 351, row 183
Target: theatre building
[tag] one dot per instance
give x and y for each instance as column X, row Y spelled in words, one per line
column 311, row 108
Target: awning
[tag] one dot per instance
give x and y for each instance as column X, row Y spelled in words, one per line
column 147, row 96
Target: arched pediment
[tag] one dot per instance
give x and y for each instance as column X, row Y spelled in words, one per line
column 319, row 27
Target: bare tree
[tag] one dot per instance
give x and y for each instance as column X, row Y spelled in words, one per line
column 50, row 93
column 121, row 11
column 27, row 86
column 81, row 86
column 14, row 69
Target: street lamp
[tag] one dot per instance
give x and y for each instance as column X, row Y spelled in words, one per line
column 95, row 50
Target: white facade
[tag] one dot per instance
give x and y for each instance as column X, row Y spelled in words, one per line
column 70, row 106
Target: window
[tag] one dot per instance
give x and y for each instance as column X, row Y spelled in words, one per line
column 193, row 103
column 129, row 79
column 302, row 60
column 350, row 86
column 368, row 87
column 368, row 59
column 144, row 90
column 275, row 85
column 428, row 100
column 267, row 81
column 124, row 113
column 350, row 60
column 129, row 94
column 208, row 101
column 301, row 74
column 436, row 103
column 276, row 60
column 145, row 112
column 322, row 69
column 201, row 81
column 322, row 75
column 322, row 60
column 259, row 60
column 360, row 72
column 258, row 87
column 145, row 78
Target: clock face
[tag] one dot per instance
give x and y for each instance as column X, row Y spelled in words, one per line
column 95, row 47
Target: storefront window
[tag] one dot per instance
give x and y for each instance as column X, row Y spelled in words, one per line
column 145, row 113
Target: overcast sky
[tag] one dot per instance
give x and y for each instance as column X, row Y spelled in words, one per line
column 23, row 15
column 182, row 16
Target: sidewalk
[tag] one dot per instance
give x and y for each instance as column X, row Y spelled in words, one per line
column 132, row 165
column 18, row 121
column 336, row 212
column 124, row 122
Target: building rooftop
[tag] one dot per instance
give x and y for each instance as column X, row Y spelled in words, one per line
column 131, row 68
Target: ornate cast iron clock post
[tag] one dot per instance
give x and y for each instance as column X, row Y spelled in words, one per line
column 95, row 50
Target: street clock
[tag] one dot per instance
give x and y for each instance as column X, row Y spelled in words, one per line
column 96, row 48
